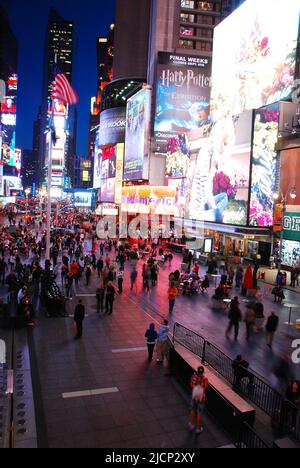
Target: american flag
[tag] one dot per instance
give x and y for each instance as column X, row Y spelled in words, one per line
column 63, row 91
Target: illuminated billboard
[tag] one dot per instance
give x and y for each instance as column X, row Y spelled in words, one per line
column 136, row 166
column 254, row 65
column 8, row 121
column 183, row 96
column 97, row 163
column 218, row 181
column 112, row 126
column 264, row 166
column 108, row 190
column 149, row 199
column 83, row 199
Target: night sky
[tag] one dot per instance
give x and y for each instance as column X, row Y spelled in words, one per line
column 29, row 19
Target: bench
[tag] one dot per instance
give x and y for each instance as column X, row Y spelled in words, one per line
column 222, row 401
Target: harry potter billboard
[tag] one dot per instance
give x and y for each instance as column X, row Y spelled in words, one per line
column 183, row 96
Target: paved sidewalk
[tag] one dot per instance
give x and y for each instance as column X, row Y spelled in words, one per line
column 146, row 410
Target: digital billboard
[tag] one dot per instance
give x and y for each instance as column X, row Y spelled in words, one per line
column 264, row 166
column 255, row 65
column 108, row 190
column 136, row 166
column 112, row 126
column 178, row 157
column 218, row 180
column 83, row 199
column 8, row 121
column 108, row 162
column 97, row 163
column 183, row 96
column 149, row 199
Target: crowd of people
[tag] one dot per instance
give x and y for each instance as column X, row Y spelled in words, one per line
column 77, row 258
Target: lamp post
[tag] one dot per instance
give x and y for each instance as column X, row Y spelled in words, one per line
column 27, row 192
column 292, row 193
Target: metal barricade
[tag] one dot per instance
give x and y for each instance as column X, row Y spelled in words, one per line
column 247, row 383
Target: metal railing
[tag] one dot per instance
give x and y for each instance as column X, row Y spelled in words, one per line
column 244, row 381
column 248, row 439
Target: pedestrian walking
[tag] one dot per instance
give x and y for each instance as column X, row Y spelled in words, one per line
column 110, row 297
column 151, row 336
column 235, row 317
column 172, row 292
column 162, row 341
column 240, row 368
column 79, row 316
column 199, row 385
column 88, row 274
column 249, row 320
column 100, row 294
column 100, row 265
column 133, row 278
column 271, row 328
column 120, row 277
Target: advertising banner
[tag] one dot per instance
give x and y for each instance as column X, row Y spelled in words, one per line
column 138, row 136
column 264, row 165
column 112, row 126
column 292, row 226
column 9, row 121
column 108, row 190
column 183, row 96
column 97, row 164
column 119, row 173
column 254, row 65
column 149, row 199
column 218, row 181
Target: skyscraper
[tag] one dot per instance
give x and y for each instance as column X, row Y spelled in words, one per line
column 58, row 57
column 105, row 61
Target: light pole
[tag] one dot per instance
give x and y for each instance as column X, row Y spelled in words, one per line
column 27, row 192
column 292, row 192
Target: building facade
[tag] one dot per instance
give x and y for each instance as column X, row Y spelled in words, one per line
column 9, row 156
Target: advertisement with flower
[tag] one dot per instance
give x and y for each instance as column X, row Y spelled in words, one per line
column 178, row 157
column 220, row 180
column 264, row 166
column 259, row 65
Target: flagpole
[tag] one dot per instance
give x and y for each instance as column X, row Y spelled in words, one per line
column 48, row 218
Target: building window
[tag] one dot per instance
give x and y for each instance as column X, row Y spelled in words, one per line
column 185, row 18
column 183, row 44
column 205, row 6
column 187, row 31
column 188, row 4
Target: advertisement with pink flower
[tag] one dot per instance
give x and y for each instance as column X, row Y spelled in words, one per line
column 258, row 67
column 264, row 166
column 220, row 184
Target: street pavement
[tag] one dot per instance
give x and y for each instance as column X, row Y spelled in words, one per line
column 146, row 409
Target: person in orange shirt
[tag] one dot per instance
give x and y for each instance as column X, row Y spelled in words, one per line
column 173, row 292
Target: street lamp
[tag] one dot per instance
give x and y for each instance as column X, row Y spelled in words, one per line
column 292, row 192
column 27, row 192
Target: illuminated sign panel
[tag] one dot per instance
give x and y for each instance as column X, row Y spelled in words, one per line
column 138, row 136
column 183, row 96
column 254, row 65
column 119, row 173
column 8, row 121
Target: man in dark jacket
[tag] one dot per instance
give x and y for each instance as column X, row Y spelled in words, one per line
column 79, row 317
column 235, row 317
column 271, row 328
